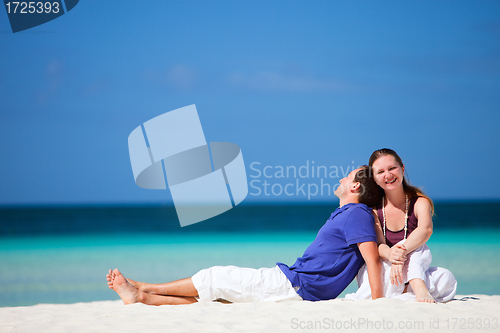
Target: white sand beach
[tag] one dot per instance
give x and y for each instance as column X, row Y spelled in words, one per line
column 472, row 313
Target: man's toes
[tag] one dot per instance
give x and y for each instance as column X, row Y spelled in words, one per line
column 110, row 277
column 118, row 277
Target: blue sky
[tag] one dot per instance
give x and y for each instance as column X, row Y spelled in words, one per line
column 290, row 82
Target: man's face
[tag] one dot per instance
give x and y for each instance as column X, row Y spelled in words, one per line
column 346, row 184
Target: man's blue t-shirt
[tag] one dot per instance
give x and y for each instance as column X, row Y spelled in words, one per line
column 333, row 259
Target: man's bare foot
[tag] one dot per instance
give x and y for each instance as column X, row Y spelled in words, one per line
column 123, row 288
column 110, row 277
column 137, row 285
column 424, row 298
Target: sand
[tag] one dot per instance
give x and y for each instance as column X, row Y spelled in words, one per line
column 473, row 313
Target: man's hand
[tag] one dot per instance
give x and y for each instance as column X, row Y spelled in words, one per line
column 398, row 254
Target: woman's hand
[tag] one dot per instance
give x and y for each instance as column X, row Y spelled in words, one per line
column 396, row 274
column 397, row 255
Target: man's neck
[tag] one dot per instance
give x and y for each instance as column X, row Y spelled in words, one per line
column 349, row 200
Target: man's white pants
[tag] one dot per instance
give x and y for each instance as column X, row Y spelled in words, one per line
column 238, row 284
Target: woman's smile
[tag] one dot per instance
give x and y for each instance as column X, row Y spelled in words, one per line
column 391, row 182
column 387, row 172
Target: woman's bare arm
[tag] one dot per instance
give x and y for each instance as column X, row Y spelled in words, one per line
column 423, row 232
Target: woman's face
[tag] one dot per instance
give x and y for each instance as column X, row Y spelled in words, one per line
column 387, row 172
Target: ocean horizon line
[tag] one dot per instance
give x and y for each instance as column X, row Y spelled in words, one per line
column 245, row 217
column 244, row 203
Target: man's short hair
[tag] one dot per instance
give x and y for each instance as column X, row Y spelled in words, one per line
column 370, row 193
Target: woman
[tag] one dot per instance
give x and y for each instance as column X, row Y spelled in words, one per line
column 404, row 225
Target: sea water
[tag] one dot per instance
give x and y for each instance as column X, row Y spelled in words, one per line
column 42, row 261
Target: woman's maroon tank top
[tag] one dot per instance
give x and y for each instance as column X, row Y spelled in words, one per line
column 394, row 237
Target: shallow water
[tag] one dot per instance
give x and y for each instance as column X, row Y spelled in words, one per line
column 70, row 268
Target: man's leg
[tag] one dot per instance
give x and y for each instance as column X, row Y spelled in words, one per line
column 129, row 294
column 183, row 287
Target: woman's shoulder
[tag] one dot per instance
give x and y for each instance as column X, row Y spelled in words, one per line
column 421, row 201
column 422, row 204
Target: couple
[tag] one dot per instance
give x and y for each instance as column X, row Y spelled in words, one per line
column 353, row 239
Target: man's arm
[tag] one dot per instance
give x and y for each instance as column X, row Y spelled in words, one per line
column 369, row 252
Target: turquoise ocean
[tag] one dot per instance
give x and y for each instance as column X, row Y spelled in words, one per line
column 61, row 254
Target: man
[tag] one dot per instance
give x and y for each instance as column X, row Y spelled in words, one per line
column 344, row 243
